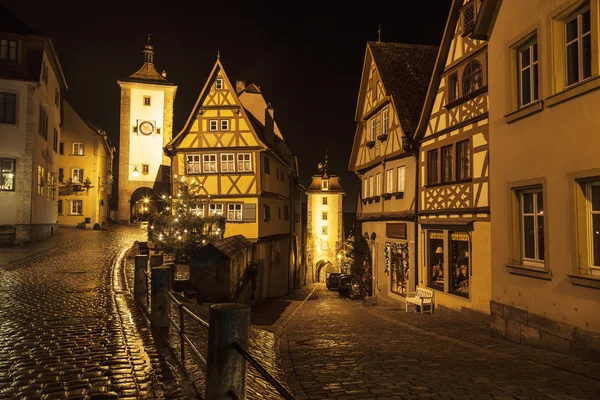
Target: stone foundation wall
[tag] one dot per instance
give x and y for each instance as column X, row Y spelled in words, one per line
column 520, row 326
column 25, row 233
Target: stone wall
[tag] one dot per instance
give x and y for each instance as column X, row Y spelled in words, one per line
column 521, row 326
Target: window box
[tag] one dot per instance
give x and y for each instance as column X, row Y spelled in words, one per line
column 382, row 137
column 585, row 280
column 370, row 144
column 387, row 196
column 531, row 272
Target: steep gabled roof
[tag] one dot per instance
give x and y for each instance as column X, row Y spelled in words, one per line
column 440, row 64
column 405, row 71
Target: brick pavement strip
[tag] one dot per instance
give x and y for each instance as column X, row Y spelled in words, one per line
column 66, row 334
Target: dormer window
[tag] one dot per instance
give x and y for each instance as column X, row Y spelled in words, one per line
column 219, row 84
column 325, row 184
column 9, row 50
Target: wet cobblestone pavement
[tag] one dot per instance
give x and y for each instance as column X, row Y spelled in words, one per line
column 64, row 332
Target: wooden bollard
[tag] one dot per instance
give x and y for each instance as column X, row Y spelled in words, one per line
column 140, row 285
column 160, row 302
column 226, row 368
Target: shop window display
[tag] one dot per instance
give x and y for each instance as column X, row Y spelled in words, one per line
column 435, row 264
column 460, row 268
column 396, row 257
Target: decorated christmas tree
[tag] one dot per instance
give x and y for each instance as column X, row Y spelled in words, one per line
column 181, row 226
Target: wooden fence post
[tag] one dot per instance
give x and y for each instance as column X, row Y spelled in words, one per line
column 226, row 368
column 160, row 303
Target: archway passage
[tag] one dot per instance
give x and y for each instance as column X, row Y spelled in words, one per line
column 143, row 202
column 322, row 269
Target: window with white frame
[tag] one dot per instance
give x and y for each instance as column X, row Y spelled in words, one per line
column 385, row 121
column 578, row 46
column 371, row 191
column 373, row 129
column 219, row 84
column 78, row 149
column 224, row 125
column 7, row 174
column 389, row 181
column 531, row 213
column 215, row 209
column 401, row 178
column 366, row 189
column 213, row 125
column 197, row 209
column 209, row 163
column 528, row 72
column 593, row 209
column 378, row 179
column 193, row 164
column 324, row 230
column 76, row 207
column 244, row 162
column 77, row 175
column 234, row 211
column 227, row 163
column 9, row 50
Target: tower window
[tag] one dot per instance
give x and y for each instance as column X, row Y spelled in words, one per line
column 145, row 169
column 146, row 100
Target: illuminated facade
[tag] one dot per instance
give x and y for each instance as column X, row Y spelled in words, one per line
column 85, row 172
column 545, row 183
column 146, row 126
column 232, row 147
column 325, row 230
column 31, row 88
column 454, row 207
column 392, row 90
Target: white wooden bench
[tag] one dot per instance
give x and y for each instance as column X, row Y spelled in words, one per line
column 422, row 297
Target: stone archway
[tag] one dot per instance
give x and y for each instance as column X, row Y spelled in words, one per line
column 143, row 202
column 322, row 268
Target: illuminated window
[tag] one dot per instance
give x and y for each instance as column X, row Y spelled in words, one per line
column 77, row 175
column 146, row 100
column 227, row 163
column 145, row 169
column 401, row 178
column 224, row 124
column 234, row 212
column 77, row 149
column 193, row 164
column 325, row 184
column 40, row 180
column 209, row 163
column 324, row 229
column 219, row 84
column 197, row 209
column 213, row 125
column 324, row 215
column 244, row 161
column 215, row 209
column 435, row 262
column 325, row 200
column 8, row 108
column 7, row 174
column 325, row 246
column 8, row 50
column 76, row 207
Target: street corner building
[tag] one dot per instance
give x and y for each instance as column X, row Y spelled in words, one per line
column 31, row 88
column 545, row 169
column 393, row 88
column 325, row 225
column 232, row 149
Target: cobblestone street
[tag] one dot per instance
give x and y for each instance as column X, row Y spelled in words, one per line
column 65, row 332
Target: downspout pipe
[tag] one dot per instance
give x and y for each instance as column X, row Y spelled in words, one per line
column 409, row 145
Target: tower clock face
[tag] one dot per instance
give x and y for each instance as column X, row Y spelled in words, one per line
column 146, row 127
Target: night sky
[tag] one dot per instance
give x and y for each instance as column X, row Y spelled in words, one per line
column 307, row 59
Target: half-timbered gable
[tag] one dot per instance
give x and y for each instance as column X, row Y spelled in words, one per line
column 392, row 92
column 454, row 210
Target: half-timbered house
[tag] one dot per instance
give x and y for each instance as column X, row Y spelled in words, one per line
column 232, row 146
column 392, row 90
column 454, row 207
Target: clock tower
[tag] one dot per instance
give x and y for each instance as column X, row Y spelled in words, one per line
column 146, row 126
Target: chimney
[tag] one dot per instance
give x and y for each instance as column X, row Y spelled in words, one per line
column 270, row 125
column 164, row 73
column 239, row 86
